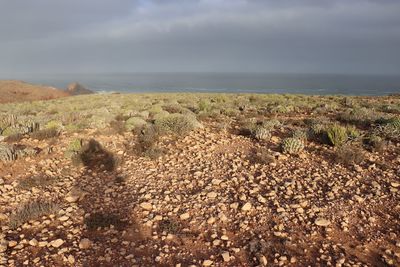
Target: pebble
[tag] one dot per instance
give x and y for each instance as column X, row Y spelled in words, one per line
column 57, row 243
column 207, row 263
column 226, row 257
column 322, row 222
column 146, row 206
column 247, row 206
column 85, row 243
column 184, row 216
column 212, row 195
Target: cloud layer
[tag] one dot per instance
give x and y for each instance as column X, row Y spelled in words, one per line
column 307, row 36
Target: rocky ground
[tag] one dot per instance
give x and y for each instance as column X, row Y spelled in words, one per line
column 205, row 203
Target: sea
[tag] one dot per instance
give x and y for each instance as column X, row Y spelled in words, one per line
column 311, row 84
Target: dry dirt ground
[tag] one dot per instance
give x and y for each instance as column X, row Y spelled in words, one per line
column 207, row 202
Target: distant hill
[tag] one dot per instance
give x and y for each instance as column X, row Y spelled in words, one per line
column 19, row 91
column 78, row 89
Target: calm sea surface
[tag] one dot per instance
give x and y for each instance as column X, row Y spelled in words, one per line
column 226, row 82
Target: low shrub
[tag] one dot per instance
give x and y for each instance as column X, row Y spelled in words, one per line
column 349, row 155
column 31, row 211
column 39, row 181
column 146, row 143
column 292, row 146
column 352, row 132
column 134, row 123
column 375, row 143
column 118, row 126
column 300, row 134
column 176, row 124
column 45, row 134
column 14, row 138
column 337, row 135
column 263, row 156
column 360, row 116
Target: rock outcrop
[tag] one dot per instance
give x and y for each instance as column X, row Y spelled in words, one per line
column 78, row 89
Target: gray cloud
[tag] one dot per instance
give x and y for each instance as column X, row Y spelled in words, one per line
column 357, row 36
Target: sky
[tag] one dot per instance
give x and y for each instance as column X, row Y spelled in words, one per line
column 285, row 36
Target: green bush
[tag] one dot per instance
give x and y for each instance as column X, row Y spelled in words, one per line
column 134, row 123
column 292, row 146
column 352, row 132
column 176, row 124
column 337, row 135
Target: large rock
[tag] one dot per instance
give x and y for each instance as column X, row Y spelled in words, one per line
column 78, row 89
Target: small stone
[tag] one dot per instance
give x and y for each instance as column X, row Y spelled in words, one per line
column 261, row 199
column 212, row 195
column 262, row 260
column 71, row 199
column 146, row 206
column 394, row 184
column 12, row 243
column 247, row 207
column 71, row 259
column 85, row 243
column 224, row 237
column 185, row 216
column 33, row 242
column 226, row 257
column 207, row 263
column 57, row 243
column 322, row 222
column 211, row 220
column 63, row 218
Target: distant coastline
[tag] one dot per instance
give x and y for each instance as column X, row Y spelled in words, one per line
column 311, row 84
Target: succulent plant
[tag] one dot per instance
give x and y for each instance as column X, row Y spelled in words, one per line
column 337, row 135
column 7, row 152
column 292, row 145
column 300, row 134
column 260, row 133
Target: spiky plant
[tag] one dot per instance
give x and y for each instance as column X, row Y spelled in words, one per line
column 337, row 135
column 260, row 133
column 292, row 146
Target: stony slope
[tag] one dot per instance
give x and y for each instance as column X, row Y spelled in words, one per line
column 208, row 200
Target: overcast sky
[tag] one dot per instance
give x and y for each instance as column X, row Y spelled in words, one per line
column 280, row 36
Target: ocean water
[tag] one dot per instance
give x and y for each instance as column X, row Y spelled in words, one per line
column 321, row 84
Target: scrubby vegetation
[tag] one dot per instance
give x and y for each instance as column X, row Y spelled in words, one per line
column 134, row 172
column 32, row 210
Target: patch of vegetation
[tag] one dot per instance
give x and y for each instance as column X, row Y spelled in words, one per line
column 292, row 146
column 349, row 155
column 134, row 123
column 176, row 124
column 45, row 134
column 375, row 143
column 170, row 226
column 38, row 181
column 263, row 156
column 14, row 138
column 146, row 143
column 118, row 126
column 337, row 135
column 32, row 210
column 261, row 133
